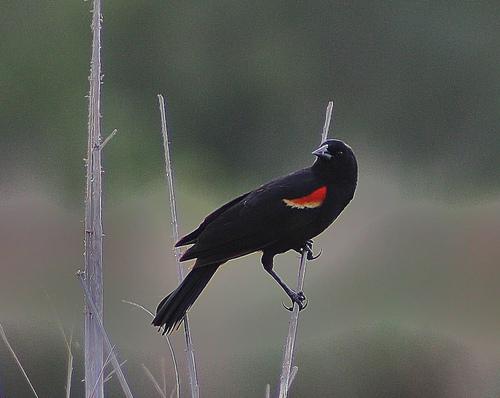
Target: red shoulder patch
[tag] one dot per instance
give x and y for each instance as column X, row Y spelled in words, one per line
column 310, row 201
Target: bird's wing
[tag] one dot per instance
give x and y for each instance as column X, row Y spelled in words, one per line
column 260, row 218
column 192, row 236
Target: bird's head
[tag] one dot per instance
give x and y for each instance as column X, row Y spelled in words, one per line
column 336, row 160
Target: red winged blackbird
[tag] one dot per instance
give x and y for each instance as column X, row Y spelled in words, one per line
column 282, row 215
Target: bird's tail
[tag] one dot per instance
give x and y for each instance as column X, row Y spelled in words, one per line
column 171, row 310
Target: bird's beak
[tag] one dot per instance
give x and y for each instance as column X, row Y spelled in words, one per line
column 322, row 152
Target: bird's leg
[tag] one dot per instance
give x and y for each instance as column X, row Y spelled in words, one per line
column 297, row 297
column 308, row 247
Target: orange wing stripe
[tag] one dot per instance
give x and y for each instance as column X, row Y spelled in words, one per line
column 314, row 199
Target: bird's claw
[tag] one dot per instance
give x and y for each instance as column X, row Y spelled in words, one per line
column 308, row 247
column 297, row 298
column 311, row 256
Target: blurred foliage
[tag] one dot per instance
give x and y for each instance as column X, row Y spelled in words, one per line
column 416, row 86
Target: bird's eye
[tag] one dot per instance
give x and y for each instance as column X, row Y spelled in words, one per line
column 341, row 153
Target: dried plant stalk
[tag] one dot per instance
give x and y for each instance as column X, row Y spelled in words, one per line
column 110, row 374
column 286, row 367
column 193, row 377
column 94, row 344
column 103, row 367
column 171, row 349
column 157, row 387
column 69, row 369
column 68, row 342
column 113, row 358
column 18, row 362
column 69, row 365
column 328, row 118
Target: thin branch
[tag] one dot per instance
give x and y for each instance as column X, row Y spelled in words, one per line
column 193, row 377
column 268, row 390
column 172, row 353
column 114, row 360
column 108, row 138
column 13, row 353
column 110, row 374
column 140, row 307
column 68, row 342
column 153, row 380
column 293, row 373
column 328, row 118
column 69, row 367
column 94, row 346
column 286, row 367
column 102, row 370
column 163, row 375
column 292, row 333
column 170, row 181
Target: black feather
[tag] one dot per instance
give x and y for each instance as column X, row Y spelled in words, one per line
column 171, row 310
column 192, row 236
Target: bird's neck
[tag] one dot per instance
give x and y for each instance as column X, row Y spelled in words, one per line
column 335, row 176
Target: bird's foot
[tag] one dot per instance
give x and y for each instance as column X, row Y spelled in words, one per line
column 308, row 248
column 297, row 298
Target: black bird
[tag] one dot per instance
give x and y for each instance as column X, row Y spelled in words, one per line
column 284, row 214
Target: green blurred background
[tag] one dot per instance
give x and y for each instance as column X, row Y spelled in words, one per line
column 403, row 302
